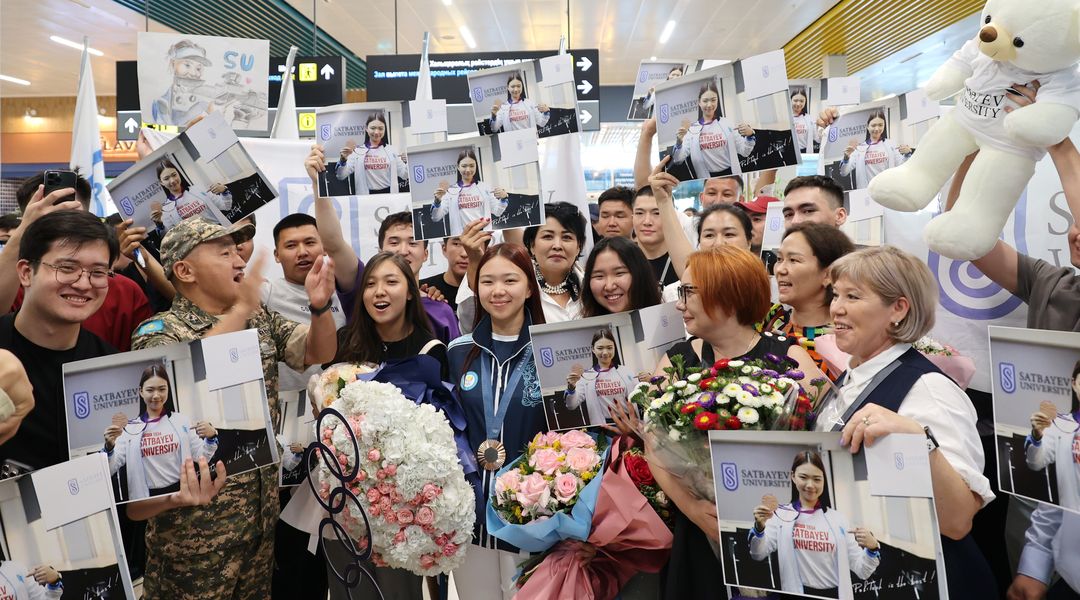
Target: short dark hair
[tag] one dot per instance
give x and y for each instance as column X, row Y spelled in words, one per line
column 619, row 193
column 645, row 190
column 68, row 227
column 29, row 186
column 739, row 214
column 827, row 243
column 392, row 220
column 568, row 216
column 9, row 221
column 825, row 184
column 291, row 221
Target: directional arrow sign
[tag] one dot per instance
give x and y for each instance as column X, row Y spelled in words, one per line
column 327, row 71
column 131, row 125
column 584, row 63
column 584, row 87
column 586, row 116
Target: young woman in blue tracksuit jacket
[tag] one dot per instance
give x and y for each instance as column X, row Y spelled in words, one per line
column 500, row 393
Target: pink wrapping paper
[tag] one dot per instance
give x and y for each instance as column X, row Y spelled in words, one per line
column 629, row 537
column 960, row 368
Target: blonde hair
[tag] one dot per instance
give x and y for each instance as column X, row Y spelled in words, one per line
column 891, row 274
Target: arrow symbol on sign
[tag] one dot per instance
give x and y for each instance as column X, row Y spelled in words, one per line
column 327, row 71
column 584, row 87
column 584, row 63
column 586, row 116
column 131, row 125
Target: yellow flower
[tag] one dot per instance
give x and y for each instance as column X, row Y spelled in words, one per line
column 517, row 511
column 587, row 475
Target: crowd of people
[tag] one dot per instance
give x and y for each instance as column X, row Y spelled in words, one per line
column 77, row 287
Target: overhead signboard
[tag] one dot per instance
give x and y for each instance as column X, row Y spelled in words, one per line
column 393, row 76
column 317, row 81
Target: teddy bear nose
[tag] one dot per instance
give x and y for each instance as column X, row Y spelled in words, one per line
column 988, row 34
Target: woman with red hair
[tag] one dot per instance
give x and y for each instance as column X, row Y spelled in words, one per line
column 724, row 293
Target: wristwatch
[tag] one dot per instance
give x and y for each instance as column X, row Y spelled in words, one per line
column 318, row 311
column 931, row 441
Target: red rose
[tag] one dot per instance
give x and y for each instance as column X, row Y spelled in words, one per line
column 733, row 423
column 721, row 364
column 706, row 421
column 638, row 469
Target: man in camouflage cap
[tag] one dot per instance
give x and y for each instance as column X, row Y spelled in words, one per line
column 225, row 549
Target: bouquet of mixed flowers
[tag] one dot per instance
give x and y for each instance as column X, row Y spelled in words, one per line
column 406, row 475
column 325, row 388
column 549, row 493
column 626, row 537
column 743, row 394
column 958, row 367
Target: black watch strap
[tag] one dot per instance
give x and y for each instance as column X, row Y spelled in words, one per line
column 931, row 441
column 318, row 311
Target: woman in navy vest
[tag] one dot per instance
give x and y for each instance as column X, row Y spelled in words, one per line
column 885, row 299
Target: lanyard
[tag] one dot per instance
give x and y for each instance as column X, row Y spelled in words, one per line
column 493, row 420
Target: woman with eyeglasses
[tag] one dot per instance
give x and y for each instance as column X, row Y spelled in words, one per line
column 809, row 535
column 1054, row 437
column 725, row 292
column 154, row 445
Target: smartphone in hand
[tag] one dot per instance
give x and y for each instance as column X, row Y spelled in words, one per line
column 58, row 180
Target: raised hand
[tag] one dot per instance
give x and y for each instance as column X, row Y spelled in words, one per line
column 441, row 190
column 745, row 130
column 350, row 147
column 765, row 511
column 574, row 375
column 315, row 163
column 1042, row 418
column 319, row 282
column 865, row 539
column 205, row 430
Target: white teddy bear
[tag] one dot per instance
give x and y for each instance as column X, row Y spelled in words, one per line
column 1020, row 41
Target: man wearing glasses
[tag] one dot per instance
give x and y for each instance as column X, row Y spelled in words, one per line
column 63, row 265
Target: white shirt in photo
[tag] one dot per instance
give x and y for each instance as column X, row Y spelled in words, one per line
column 16, row 583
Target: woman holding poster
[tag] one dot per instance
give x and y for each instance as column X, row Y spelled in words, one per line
column 155, row 444
column 876, row 154
column 382, row 168
column 817, row 550
column 469, row 198
column 606, row 381
column 519, row 112
column 182, row 202
column 712, row 142
column 1049, row 444
column 806, row 130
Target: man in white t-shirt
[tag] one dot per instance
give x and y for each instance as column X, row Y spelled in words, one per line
column 297, row 246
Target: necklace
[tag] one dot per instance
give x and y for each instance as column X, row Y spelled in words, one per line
column 753, row 340
column 554, row 290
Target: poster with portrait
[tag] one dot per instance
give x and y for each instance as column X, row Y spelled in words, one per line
column 805, row 96
column 452, row 184
column 204, row 172
column 511, row 97
column 150, row 410
column 556, row 98
column 364, row 146
column 584, row 367
column 517, row 164
column 182, row 77
column 710, row 126
column 1036, row 383
column 850, row 544
column 649, row 74
column 864, row 141
column 59, row 534
column 297, row 431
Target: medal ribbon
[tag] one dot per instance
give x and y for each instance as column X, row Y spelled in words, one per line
column 493, row 420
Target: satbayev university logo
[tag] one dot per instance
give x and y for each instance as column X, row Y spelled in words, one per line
column 1007, row 374
column 834, row 134
column 765, row 71
column 643, row 76
column 478, row 94
column 418, row 173
column 547, row 357
column 82, row 404
column 126, row 206
column 234, row 355
column 665, row 113
column 898, row 460
column 73, row 487
column 729, row 474
column 325, row 131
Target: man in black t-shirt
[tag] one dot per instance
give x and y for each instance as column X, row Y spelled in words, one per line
column 457, row 263
column 63, row 265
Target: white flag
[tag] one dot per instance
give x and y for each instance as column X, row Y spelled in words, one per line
column 86, row 142
column 423, row 82
column 285, row 123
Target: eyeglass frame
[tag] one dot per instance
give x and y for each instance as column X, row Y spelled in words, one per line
column 684, row 290
column 109, row 274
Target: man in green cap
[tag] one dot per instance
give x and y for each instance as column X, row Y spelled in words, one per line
column 226, row 549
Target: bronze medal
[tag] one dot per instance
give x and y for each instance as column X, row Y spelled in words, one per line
column 491, row 455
